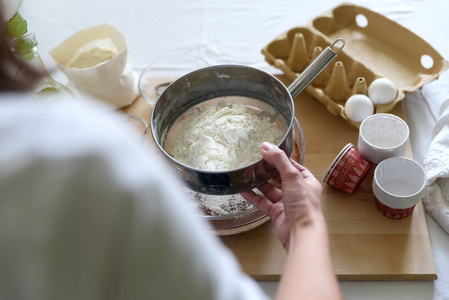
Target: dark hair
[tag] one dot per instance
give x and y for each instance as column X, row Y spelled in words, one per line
column 9, row 64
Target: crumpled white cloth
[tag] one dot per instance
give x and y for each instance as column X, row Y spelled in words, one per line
column 436, row 165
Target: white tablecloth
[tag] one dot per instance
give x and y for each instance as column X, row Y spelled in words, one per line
column 235, row 32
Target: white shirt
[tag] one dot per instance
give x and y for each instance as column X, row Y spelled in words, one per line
column 87, row 212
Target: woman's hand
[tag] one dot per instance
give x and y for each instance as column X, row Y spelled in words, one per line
column 297, row 204
column 295, row 210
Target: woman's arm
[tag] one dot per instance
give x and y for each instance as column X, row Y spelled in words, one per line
column 296, row 212
column 308, row 271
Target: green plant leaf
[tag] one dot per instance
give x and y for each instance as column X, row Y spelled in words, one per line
column 16, row 27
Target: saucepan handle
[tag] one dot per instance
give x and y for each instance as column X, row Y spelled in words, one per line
column 315, row 68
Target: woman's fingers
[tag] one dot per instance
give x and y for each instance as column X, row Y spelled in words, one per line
column 262, row 203
column 278, row 178
column 277, row 158
column 307, row 175
column 271, row 192
column 304, row 171
column 297, row 165
column 290, row 173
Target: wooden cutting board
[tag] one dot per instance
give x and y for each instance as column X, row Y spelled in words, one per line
column 364, row 244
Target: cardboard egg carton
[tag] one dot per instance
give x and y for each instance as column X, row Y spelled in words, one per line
column 375, row 47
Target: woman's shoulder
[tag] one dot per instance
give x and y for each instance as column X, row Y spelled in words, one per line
column 70, row 130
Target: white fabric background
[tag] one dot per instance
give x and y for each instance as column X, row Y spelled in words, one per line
column 436, row 164
column 235, row 32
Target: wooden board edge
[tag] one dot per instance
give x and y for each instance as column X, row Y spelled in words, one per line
column 387, row 277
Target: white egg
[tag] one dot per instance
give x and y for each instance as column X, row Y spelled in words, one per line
column 358, row 107
column 382, row 91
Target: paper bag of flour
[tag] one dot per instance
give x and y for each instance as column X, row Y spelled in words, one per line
column 95, row 62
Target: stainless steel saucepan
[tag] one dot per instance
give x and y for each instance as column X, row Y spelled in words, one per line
column 236, row 84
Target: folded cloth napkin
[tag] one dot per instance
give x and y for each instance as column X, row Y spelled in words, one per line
column 436, row 165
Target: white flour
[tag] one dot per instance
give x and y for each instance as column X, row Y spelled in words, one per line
column 214, row 205
column 223, row 138
column 92, row 57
